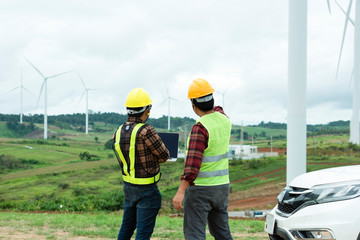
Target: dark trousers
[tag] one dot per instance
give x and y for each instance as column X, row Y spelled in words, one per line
column 141, row 205
column 206, row 204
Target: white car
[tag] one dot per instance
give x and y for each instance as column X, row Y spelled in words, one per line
column 323, row 204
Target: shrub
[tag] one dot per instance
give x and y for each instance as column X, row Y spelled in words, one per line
column 252, row 164
column 109, row 144
column 88, row 157
column 354, row 147
column 10, row 163
column 78, row 192
column 234, row 162
column 64, row 185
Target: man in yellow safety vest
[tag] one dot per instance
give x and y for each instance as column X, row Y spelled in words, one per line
column 205, row 185
column 139, row 150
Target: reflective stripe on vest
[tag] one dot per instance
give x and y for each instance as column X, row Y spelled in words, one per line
column 214, row 168
column 214, row 158
column 130, row 175
column 216, row 173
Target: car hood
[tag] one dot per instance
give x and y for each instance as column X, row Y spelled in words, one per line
column 326, row 176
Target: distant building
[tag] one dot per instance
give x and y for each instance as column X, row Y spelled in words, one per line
column 237, row 151
column 246, row 152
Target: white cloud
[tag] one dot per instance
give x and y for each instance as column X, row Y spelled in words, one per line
column 116, row 46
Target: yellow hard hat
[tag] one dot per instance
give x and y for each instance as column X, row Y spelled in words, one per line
column 138, row 97
column 199, row 88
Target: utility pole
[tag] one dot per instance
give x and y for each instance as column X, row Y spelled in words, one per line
column 185, row 140
column 242, row 139
column 21, row 101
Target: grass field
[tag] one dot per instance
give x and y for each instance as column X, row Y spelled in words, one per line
column 14, row 225
column 62, row 181
column 62, row 174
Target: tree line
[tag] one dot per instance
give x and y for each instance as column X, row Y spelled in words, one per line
column 20, row 129
column 335, row 127
column 68, row 121
column 10, row 163
column 77, row 119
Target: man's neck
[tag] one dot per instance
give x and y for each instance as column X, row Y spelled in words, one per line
column 145, row 116
column 201, row 113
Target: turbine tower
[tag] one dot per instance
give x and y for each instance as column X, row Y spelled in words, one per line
column 354, row 123
column 21, row 95
column 169, row 100
column 223, row 96
column 44, row 86
column 297, row 69
column 86, row 93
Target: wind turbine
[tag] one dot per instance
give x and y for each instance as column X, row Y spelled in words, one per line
column 354, row 123
column 169, row 100
column 44, row 86
column 347, row 19
column 21, row 95
column 86, row 93
column 223, row 96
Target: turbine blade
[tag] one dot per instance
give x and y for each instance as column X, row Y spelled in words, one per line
column 351, row 78
column 163, row 101
column 34, row 67
column 343, row 38
column 28, row 91
column 81, row 98
column 21, row 78
column 328, row 3
column 41, row 89
column 81, row 79
column 56, row 75
column 171, row 98
column 350, row 19
column 12, row 90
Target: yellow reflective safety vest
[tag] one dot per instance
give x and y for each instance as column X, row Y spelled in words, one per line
column 129, row 169
column 214, row 168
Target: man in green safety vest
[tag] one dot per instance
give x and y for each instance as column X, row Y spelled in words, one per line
column 139, row 150
column 205, row 185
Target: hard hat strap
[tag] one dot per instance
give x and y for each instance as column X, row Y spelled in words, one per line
column 204, row 99
column 133, row 111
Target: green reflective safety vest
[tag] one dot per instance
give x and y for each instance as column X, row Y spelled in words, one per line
column 214, row 168
column 129, row 171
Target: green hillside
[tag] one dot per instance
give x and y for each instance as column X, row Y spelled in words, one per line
column 51, row 174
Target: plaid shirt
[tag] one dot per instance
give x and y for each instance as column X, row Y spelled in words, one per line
column 198, row 142
column 150, row 151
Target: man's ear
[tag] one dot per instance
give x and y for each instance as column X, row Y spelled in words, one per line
column 146, row 112
column 195, row 108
